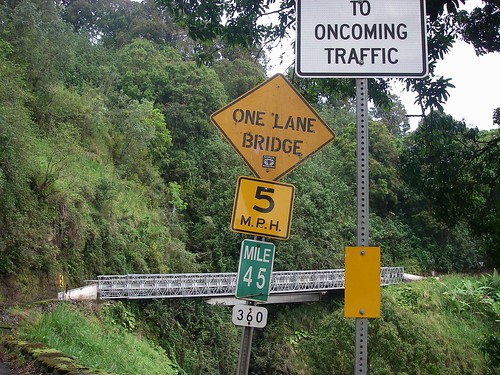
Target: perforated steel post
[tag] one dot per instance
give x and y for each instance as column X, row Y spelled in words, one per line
column 246, row 340
column 361, row 341
column 245, row 348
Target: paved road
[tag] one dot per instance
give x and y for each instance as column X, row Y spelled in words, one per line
column 5, row 369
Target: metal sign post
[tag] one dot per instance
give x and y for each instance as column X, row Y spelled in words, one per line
column 247, row 333
column 245, row 348
column 361, row 348
column 355, row 38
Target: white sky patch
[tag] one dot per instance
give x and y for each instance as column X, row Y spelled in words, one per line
column 476, row 80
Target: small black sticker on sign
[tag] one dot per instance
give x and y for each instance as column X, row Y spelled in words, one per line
column 269, row 162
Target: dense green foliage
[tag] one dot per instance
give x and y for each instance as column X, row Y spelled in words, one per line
column 252, row 23
column 109, row 165
column 429, row 327
column 125, row 173
column 457, row 170
column 420, row 332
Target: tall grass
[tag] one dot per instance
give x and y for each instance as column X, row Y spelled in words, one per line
column 98, row 344
column 479, row 297
column 464, row 314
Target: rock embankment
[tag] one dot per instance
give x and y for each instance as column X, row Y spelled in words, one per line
column 27, row 358
column 46, row 360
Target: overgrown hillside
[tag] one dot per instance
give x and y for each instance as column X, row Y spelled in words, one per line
column 109, row 165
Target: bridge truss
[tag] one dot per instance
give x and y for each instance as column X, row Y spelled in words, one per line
column 207, row 285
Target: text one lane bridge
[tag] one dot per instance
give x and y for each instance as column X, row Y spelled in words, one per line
column 286, row 286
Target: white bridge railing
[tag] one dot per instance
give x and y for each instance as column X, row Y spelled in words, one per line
column 136, row 286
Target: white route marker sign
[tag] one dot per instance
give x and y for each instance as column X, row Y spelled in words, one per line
column 249, row 316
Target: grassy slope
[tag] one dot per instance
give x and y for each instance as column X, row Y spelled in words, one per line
column 427, row 327
column 97, row 343
column 422, row 330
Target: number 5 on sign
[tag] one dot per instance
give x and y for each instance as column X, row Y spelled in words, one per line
column 263, row 208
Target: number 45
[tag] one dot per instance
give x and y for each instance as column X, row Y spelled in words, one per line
column 261, row 279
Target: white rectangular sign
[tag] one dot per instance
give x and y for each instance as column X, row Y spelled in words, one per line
column 249, row 316
column 361, row 38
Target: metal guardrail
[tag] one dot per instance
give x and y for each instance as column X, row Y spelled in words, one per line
column 144, row 286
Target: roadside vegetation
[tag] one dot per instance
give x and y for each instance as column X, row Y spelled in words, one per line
column 436, row 326
column 96, row 343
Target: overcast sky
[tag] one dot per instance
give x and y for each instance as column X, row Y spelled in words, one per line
column 476, row 79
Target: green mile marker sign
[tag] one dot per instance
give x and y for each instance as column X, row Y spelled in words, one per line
column 254, row 271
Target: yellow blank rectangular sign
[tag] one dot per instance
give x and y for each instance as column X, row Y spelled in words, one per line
column 362, row 282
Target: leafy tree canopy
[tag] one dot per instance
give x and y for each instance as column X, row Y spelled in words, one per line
column 115, row 23
column 246, row 23
column 236, row 22
column 457, row 169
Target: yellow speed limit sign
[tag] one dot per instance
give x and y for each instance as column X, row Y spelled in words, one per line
column 263, row 208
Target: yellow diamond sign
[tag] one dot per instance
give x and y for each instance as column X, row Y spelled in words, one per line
column 273, row 128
